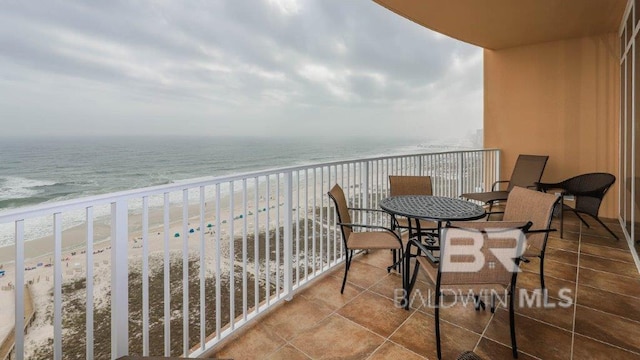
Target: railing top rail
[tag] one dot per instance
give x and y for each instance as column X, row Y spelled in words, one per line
column 79, row 203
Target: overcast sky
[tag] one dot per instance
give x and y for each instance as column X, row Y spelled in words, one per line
column 252, row 67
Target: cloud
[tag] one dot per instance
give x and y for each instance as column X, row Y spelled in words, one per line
column 272, row 67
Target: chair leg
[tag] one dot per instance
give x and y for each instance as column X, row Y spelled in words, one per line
column 561, row 203
column 542, row 287
column 493, row 303
column 410, row 281
column 347, row 264
column 581, row 219
column 512, row 325
column 606, row 227
column 437, row 320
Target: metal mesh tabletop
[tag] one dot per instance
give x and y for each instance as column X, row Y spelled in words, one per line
column 432, row 207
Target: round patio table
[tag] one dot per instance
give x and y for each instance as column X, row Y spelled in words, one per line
column 428, row 207
column 437, row 208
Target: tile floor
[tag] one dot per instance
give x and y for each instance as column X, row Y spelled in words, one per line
column 602, row 320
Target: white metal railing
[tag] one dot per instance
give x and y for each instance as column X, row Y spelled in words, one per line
column 209, row 255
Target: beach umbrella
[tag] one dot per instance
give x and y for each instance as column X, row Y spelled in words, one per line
column 176, row 235
column 209, row 225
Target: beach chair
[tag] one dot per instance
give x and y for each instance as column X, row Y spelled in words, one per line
column 378, row 237
column 526, row 173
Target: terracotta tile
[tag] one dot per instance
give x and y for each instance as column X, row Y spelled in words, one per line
column 612, row 266
column 389, row 350
column 608, row 328
column 288, row 352
column 465, row 315
column 257, row 342
column 389, row 287
column 336, row 337
column 380, row 258
column 327, row 291
column 624, row 306
column 606, row 252
column 375, row 312
column 422, row 297
column 418, row 335
column 365, row 275
column 629, row 286
column 533, row 337
column 294, row 316
column 586, row 348
column 489, row 349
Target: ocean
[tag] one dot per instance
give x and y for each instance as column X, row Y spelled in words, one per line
column 38, row 170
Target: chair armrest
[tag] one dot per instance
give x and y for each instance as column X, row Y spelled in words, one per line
column 365, row 209
column 493, row 187
column 548, row 186
column 540, row 231
column 370, row 227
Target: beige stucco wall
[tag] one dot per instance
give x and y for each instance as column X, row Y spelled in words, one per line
column 559, row 98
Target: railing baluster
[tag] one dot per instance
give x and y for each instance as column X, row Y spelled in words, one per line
column 203, row 324
column 288, row 222
column 119, row 279
column 277, row 262
column 89, row 288
column 245, row 217
column 145, row 276
column 167, row 284
column 218, row 267
column 57, row 288
column 232, row 258
column 267, row 242
column 19, row 290
column 185, row 271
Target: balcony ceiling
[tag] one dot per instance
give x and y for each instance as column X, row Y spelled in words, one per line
column 500, row 24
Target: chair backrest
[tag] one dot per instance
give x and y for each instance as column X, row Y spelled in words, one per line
column 499, row 238
column 410, row 185
column 337, row 195
column 589, row 189
column 527, row 171
column 537, row 207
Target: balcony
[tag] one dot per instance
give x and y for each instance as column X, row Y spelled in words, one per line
column 249, row 266
column 601, row 322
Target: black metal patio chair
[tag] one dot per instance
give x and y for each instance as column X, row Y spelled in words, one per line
column 588, row 190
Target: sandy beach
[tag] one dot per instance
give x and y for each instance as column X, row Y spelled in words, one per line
column 39, row 257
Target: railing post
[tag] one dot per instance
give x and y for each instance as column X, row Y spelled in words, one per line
column 119, row 280
column 288, row 236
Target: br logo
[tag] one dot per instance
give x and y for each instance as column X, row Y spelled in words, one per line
column 466, row 250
